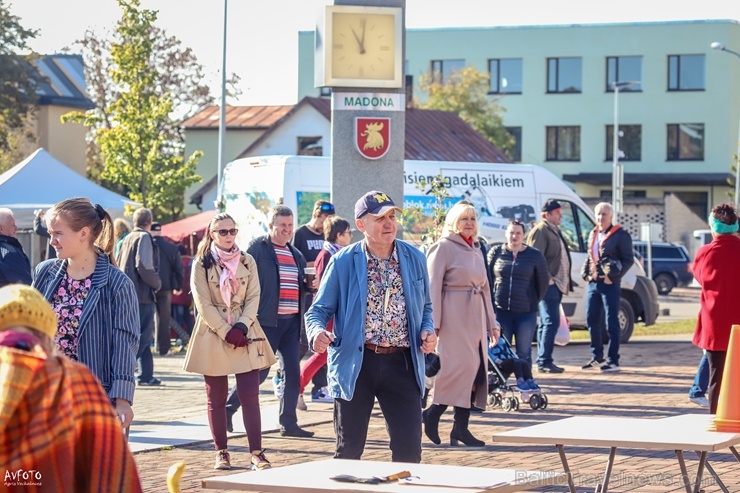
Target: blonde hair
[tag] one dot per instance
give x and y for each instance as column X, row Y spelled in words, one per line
column 453, row 217
column 120, row 228
column 79, row 213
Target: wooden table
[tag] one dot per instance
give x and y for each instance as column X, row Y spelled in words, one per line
column 310, row 477
column 678, row 433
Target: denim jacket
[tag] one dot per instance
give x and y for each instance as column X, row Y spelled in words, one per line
column 343, row 294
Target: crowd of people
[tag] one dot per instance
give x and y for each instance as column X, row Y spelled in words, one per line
column 371, row 314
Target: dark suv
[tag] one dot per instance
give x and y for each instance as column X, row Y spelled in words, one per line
column 671, row 264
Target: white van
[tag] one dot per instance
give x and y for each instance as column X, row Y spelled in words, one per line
column 500, row 192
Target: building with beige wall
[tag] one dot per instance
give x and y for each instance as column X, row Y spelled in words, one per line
column 62, row 91
column 244, row 125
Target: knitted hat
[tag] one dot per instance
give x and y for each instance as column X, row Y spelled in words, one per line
column 24, row 305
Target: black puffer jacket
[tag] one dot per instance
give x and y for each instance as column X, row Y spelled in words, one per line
column 520, row 283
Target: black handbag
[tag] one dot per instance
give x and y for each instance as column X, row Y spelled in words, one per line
column 432, row 364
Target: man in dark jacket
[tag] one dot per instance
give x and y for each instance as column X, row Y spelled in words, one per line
column 39, row 227
column 139, row 259
column 14, row 264
column 546, row 238
column 610, row 256
column 171, row 272
column 281, row 269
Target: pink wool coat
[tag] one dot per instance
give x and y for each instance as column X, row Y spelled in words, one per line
column 717, row 270
column 463, row 314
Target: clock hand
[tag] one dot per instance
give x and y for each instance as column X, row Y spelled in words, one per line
column 362, row 40
column 359, row 41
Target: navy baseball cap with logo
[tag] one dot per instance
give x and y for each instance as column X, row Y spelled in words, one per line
column 376, row 203
column 551, row 205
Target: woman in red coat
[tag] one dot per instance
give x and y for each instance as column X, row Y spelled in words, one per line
column 717, row 270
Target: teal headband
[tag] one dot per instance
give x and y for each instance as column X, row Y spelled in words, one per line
column 721, row 228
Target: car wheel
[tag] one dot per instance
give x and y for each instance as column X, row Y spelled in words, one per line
column 626, row 318
column 665, row 283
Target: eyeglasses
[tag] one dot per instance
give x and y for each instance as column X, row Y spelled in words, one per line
column 327, row 208
column 225, row 232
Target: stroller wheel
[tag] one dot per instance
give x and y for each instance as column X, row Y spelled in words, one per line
column 543, row 401
column 534, row 401
column 507, row 404
column 515, row 403
column 491, row 400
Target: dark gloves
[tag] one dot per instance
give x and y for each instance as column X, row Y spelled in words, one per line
column 237, row 335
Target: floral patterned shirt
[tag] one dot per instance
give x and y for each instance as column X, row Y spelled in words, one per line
column 385, row 322
column 67, row 304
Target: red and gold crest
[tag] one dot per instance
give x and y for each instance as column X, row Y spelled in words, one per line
column 372, row 136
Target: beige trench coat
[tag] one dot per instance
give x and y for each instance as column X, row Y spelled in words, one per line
column 208, row 352
column 463, row 315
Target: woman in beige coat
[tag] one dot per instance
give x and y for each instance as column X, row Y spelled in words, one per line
column 227, row 338
column 463, row 317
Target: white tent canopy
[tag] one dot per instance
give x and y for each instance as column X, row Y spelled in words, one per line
column 40, row 181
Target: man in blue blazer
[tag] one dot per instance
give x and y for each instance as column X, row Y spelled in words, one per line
column 377, row 290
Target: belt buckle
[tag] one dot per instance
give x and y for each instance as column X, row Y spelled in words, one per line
column 376, row 349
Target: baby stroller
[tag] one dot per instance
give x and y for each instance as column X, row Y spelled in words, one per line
column 502, row 361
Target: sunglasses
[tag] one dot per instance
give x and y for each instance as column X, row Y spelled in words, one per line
column 327, row 208
column 225, row 232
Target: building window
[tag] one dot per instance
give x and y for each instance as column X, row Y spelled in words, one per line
column 630, row 142
column 564, row 75
column 686, row 142
column 506, row 75
column 696, row 201
column 624, row 69
column 686, row 72
column 516, row 151
column 310, row 146
column 564, row 143
column 443, row 69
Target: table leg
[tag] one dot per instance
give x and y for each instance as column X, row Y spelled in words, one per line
column 684, row 472
column 566, row 470
column 704, row 463
column 604, row 487
column 734, row 452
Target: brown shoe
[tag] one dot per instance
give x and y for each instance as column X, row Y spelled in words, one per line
column 223, row 460
column 259, row 461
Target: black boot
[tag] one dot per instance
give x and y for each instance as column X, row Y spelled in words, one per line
column 460, row 432
column 431, row 417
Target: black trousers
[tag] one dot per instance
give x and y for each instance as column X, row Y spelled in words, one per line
column 164, row 313
column 392, row 379
column 716, row 361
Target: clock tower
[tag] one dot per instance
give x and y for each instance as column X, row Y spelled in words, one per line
column 359, row 53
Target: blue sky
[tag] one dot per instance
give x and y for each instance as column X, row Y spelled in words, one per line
column 262, row 39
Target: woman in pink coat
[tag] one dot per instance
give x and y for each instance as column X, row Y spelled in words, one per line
column 717, row 270
column 463, row 317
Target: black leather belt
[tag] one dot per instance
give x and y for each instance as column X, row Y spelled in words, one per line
column 383, row 349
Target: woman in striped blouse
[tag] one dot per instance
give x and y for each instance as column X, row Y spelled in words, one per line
column 95, row 302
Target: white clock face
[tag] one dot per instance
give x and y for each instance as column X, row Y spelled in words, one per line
column 363, row 46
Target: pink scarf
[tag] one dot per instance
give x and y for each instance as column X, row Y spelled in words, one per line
column 228, row 283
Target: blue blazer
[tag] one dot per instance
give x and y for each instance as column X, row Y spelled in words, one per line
column 343, row 294
column 109, row 325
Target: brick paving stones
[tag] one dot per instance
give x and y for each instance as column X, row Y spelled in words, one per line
column 654, row 381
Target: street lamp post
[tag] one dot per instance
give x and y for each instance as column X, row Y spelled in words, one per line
column 617, row 167
column 719, row 46
column 222, row 118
